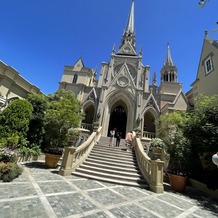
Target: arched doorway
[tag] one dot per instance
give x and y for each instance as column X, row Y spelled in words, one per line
column 149, row 124
column 118, row 120
column 89, row 114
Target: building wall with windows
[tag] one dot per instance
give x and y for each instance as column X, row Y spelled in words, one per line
column 13, row 85
column 207, row 74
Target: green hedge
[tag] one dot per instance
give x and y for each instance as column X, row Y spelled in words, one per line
column 9, row 171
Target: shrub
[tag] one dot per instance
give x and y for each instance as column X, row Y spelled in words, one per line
column 9, row 171
column 8, row 155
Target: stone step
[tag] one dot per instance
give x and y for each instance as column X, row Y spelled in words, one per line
column 112, row 164
column 104, row 163
column 111, row 171
column 113, row 151
column 110, row 159
column 92, row 173
column 107, row 165
column 112, row 156
column 139, row 183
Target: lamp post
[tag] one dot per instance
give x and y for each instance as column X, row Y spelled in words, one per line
column 215, row 159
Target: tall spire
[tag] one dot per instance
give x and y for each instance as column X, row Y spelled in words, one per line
column 168, row 61
column 130, row 23
column 169, row 70
column 129, row 34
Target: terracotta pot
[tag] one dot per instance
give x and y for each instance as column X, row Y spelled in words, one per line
column 51, row 160
column 177, row 183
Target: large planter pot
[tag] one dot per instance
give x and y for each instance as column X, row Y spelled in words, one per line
column 177, row 183
column 51, row 160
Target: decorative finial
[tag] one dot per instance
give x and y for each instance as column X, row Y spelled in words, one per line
column 205, row 33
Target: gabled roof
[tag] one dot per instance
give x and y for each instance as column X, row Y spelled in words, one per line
column 79, row 62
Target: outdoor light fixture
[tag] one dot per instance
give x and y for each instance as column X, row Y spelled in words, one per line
column 215, row 159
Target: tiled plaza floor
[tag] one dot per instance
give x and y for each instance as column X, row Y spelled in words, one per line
column 41, row 192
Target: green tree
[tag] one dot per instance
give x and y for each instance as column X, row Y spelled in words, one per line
column 202, row 131
column 15, row 120
column 61, row 115
column 202, row 128
column 37, row 122
column 170, row 130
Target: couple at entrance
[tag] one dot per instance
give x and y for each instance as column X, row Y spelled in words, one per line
column 118, row 138
column 128, row 139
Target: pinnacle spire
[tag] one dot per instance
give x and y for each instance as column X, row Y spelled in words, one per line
column 130, row 22
column 168, row 61
column 129, row 34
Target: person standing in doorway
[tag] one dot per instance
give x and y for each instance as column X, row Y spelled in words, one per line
column 118, row 138
column 111, row 141
column 128, row 140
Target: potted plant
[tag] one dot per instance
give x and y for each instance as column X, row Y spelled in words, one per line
column 158, row 148
column 177, row 146
column 138, row 132
column 52, row 156
column 95, row 126
column 157, row 144
column 73, row 134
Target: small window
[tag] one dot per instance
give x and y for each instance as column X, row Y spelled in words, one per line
column 208, row 65
column 75, row 77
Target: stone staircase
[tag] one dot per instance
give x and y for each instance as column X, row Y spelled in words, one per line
column 112, row 164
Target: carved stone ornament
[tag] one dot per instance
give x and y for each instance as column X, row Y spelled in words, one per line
column 123, row 81
column 91, row 96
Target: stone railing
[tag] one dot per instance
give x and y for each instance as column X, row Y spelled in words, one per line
column 149, row 135
column 74, row 156
column 87, row 126
column 152, row 170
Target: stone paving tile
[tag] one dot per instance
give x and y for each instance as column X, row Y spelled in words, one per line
column 10, row 190
column 86, row 184
column 97, row 215
column 191, row 216
column 131, row 211
column 109, row 184
column 161, row 208
column 22, row 178
column 175, row 200
column 73, row 177
column 47, row 177
column 23, row 208
column 55, row 187
column 206, row 213
column 106, row 196
column 70, row 204
column 129, row 192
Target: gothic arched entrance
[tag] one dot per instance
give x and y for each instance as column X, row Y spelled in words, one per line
column 89, row 114
column 149, row 124
column 118, row 120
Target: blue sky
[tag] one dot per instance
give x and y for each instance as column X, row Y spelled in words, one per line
column 39, row 37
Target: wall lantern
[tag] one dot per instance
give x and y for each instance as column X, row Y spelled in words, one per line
column 215, row 159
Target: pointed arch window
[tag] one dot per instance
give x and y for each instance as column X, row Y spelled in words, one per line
column 75, row 77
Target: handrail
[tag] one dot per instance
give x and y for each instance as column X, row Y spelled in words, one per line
column 152, row 170
column 74, row 157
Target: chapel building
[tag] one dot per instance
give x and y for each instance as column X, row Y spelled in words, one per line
column 122, row 98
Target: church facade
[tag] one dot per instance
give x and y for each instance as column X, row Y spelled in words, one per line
column 122, row 98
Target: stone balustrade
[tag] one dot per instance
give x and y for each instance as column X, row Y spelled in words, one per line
column 75, row 156
column 152, row 170
column 149, row 135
